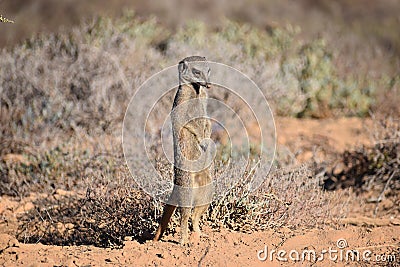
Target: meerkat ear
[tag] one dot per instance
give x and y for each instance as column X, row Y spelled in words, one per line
column 182, row 67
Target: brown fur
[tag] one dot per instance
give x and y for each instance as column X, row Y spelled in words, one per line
column 188, row 139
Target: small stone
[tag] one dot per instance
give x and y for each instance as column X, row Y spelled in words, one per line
column 26, row 207
column 338, row 169
column 60, row 227
column 395, row 221
column 92, row 221
column 128, row 238
column 69, row 226
column 387, row 204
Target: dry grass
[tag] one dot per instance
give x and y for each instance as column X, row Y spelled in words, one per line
column 113, row 207
column 373, row 171
column 367, row 167
column 288, row 197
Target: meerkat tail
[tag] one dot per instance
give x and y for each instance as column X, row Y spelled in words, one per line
column 166, row 217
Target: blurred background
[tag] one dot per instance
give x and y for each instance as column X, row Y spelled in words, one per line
column 354, row 44
column 356, row 22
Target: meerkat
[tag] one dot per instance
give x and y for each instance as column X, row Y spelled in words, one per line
column 190, row 128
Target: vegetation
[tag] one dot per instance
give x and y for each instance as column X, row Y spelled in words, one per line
column 62, row 103
column 371, row 168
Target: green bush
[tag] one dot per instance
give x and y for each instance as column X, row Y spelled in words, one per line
column 318, row 91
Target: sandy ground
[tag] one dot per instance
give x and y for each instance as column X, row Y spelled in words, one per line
column 375, row 239
column 306, row 138
column 340, row 133
column 218, row 249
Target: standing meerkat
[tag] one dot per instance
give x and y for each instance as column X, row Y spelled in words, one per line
column 191, row 137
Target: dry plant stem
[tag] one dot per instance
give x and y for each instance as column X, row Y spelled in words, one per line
column 382, row 194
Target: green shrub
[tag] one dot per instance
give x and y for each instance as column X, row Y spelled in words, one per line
column 318, row 91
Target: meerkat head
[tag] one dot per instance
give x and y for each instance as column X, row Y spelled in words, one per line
column 194, row 70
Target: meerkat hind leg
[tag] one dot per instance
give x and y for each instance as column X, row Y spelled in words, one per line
column 168, row 211
column 185, row 215
column 196, row 217
column 203, row 195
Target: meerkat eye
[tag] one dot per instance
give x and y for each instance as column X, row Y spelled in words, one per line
column 196, row 72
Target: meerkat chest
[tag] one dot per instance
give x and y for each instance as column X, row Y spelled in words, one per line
column 198, row 105
column 190, row 110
